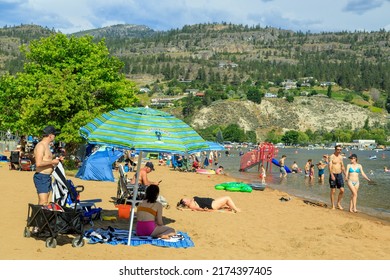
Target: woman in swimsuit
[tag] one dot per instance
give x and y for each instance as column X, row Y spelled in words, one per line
column 149, row 216
column 352, row 175
column 208, row 204
column 321, row 171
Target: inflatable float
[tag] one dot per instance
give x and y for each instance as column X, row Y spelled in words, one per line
column 205, row 171
column 234, row 187
column 257, row 186
column 276, row 162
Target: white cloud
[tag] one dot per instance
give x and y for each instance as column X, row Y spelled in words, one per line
column 315, row 15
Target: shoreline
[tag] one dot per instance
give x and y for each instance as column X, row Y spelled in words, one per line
column 298, row 186
column 266, row 229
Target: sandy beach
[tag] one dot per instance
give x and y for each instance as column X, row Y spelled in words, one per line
column 266, row 229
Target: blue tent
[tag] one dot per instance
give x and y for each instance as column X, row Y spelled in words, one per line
column 98, row 165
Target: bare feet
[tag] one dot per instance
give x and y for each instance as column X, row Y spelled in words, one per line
column 166, row 236
column 340, row 207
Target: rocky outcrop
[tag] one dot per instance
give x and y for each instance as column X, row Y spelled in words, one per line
column 304, row 113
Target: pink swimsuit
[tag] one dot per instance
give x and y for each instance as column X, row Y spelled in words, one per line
column 145, row 228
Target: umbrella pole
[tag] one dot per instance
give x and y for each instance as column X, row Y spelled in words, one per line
column 134, row 197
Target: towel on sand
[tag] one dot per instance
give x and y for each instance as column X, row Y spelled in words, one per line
column 116, row 236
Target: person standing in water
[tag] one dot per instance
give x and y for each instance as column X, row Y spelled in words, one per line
column 336, row 180
column 352, row 175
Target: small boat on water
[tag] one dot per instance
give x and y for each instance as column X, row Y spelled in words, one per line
column 372, row 157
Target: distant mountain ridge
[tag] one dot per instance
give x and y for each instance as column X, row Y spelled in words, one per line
column 118, row 31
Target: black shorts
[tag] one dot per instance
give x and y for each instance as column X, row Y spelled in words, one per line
column 337, row 182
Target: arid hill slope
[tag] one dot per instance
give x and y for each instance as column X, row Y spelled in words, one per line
column 304, row 113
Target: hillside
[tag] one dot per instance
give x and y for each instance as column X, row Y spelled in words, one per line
column 227, row 61
column 304, row 113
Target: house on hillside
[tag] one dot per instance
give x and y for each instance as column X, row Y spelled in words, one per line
column 289, row 84
column 270, row 95
column 144, row 90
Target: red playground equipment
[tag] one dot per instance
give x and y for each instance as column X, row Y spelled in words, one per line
column 264, row 154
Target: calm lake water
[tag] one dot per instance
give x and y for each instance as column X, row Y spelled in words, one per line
column 373, row 199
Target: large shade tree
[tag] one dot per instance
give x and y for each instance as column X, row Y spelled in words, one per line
column 66, row 82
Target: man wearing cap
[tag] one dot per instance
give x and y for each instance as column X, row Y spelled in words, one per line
column 45, row 164
column 143, row 175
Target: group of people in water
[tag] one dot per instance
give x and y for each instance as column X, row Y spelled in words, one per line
column 334, row 163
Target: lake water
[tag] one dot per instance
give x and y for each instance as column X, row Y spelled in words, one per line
column 373, row 199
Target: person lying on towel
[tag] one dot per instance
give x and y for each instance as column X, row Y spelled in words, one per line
column 208, row 204
column 149, row 216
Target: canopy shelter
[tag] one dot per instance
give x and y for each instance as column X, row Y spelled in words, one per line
column 98, row 165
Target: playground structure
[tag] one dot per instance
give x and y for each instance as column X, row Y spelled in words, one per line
column 264, row 154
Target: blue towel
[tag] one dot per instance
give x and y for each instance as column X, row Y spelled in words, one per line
column 116, row 236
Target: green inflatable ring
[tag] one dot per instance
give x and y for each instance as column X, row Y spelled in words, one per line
column 234, row 187
column 219, row 187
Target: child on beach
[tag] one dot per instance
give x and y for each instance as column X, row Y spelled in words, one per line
column 262, row 174
column 307, row 167
column 311, row 172
column 283, row 172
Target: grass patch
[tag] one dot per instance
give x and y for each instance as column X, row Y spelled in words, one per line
column 375, row 109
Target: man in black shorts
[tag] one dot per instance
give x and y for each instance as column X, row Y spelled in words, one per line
column 336, row 180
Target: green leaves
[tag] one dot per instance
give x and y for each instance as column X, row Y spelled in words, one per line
column 66, row 82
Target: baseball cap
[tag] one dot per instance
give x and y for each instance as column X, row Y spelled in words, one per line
column 150, row 165
column 50, row 130
column 353, row 156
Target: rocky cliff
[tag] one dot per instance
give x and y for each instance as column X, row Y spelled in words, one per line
column 273, row 113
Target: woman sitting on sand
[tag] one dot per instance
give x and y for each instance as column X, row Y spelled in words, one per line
column 208, row 204
column 149, row 216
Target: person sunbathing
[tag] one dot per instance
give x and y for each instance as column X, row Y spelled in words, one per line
column 149, row 216
column 208, row 204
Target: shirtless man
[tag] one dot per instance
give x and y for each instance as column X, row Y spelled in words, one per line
column 143, row 175
column 336, row 168
column 283, row 172
column 307, row 167
column 45, row 164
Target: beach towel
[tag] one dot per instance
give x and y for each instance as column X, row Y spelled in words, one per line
column 115, row 236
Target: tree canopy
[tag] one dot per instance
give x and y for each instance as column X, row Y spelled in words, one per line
column 66, row 82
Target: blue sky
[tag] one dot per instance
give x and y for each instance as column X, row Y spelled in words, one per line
column 70, row 16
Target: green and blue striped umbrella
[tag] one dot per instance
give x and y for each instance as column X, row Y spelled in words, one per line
column 143, row 129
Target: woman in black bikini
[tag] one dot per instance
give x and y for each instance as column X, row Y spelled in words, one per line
column 208, row 204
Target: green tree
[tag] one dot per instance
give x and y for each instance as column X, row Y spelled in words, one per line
column 291, row 137
column 234, row 133
column 273, row 137
column 251, row 136
column 329, row 92
column 66, row 82
column 254, row 95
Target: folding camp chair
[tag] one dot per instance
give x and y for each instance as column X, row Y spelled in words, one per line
column 125, row 189
column 66, row 194
column 14, row 160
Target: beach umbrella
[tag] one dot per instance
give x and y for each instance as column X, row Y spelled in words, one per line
column 145, row 130
column 215, row 146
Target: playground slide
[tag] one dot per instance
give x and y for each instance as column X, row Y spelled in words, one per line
column 276, row 162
